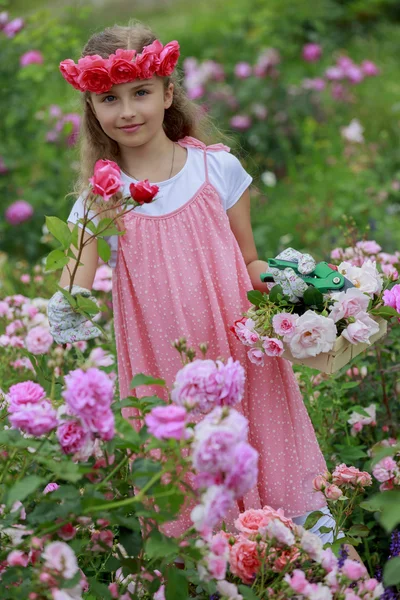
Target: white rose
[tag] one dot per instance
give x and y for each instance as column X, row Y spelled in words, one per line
column 355, row 417
column 313, row 334
column 312, row 544
column 268, row 178
column 276, row 529
column 366, row 278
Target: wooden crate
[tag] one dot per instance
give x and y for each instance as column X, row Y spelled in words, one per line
column 341, row 354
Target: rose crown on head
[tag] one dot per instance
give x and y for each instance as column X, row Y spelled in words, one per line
column 96, row 74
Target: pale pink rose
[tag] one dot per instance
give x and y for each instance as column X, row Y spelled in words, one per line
column 213, row 451
column 348, row 304
column 369, row 68
column 216, row 566
column 391, row 272
column 18, row 212
column 356, row 417
column 35, row 419
column 26, row 392
column 160, row 593
column 311, row 52
column 72, row 436
column 354, row 570
column 50, row 487
column 272, row 513
column 243, row 472
column 312, row 544
column 31, row 57
column 106, row 180
column 329, row 561
column 317, row 84
column 354, row 74
column 102, row 540
column 167, row 422
column 215, row 503
column 219, row 545
column 38, row 340
column 277, row 530
column 298, row 581
column 232, row 377
column 244, row 559
column 25, row 278
column 243, row 70
column 284, row 324
column 385, row 469
column 197, row 385
column 103, row 279
column 251, row 521
column 369, row 246
column 366, row 278
column 100, row 358
column 244, row 331
column 240, row 122
column 392, row 297
column 256, row 356
column 319, row 483
column 228, row 590
column 16, row 558
column 364, row 479
column 59, row 557
column 313, row 334
column 334, row 74
column 332, row 492
column 113, row 589
column 13, row 27
column 360, row 331
column 273, row 347
column 384, row 257
column 233, row 422
column 344, row 475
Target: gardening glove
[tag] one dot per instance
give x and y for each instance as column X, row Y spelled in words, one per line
column 292, row 285
column 66, row 325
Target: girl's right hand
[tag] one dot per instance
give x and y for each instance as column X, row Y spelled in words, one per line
column 66, row 325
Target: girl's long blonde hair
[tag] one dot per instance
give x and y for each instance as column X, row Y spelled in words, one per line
column 182, row 118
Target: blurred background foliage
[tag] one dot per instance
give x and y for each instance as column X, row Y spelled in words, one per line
column 307, row 174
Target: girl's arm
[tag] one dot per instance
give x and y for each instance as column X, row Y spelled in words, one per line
column 239, row 218
column 85, row 274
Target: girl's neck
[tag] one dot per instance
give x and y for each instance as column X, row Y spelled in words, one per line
column 150, row 160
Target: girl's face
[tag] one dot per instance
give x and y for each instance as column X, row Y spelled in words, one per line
column 133, row 113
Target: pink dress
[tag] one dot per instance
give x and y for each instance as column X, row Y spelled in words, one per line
column 183, row 274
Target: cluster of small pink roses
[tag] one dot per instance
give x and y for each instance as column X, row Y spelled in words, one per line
column 225, row 463
column 272, row 552
column 342, row 480
column 368, row 250
column 86, row 415
column 387, row 472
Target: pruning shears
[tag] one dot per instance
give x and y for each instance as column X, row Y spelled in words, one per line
column 323, row 278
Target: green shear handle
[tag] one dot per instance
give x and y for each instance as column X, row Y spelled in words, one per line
column 323, row 278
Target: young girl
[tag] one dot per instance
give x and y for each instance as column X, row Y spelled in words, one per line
column 187, row 260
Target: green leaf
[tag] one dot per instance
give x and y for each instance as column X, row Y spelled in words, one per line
column 176, row 587
column 74, row 235
column 103, row 249
column 348, row 385
column 388, row 505
column 23, row 488
column 130, row 540
column 255, row 297
column 99, row 590
column 358, row 530
column 161, row 546
column 142, row 379
column 247, row 593
column 274, row 294
column 386, row 312
column 313, row 297
column 86, row 304
column 143, row 470
column 391, row 572
column 324, row 529
column 56, row 260
column 313, row 519
column 59, row 230
column 65, row 469
column 383, row 452
column 360, row 410
column 350, row 453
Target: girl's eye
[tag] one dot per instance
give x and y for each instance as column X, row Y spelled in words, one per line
column 142, row 92
column 105, row 99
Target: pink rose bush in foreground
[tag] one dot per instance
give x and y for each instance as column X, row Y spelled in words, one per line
column 310, row 324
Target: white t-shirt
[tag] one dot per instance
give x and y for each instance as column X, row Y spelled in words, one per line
column 225, row 173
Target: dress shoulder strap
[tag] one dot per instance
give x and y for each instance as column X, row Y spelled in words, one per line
column 191, row 142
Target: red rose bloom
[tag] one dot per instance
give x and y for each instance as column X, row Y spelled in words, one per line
column 149, row 60
column 168, row 59
column 143, row 192
column 94, row 74
column 121, row 67
column 70, row 72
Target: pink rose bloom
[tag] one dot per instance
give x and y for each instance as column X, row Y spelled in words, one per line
column 18, row 212
column 278, row 531
column 219, row 545
column 159, row 595
column 366, row 278
column 392, row 297
column 229, row 590
column 391, row 272
column 242, row 476
column 344, row 475
column 232, row 377
column 216, row 566
column 244, row 331
column 317, row 84
column 243, row 70
column 213, row 451
column 388, row 258
column 106, row 180
column 364, row 479
column 122, row 67
column 50, row 487
column 334, row 73
column 233, row 422
column 165, row 422
column 256, row 356
column 100, row 358
column 88, row 392
column 314, row 334
column 59, row 557
column 91, row 73
column 38, row 340
column 360, row 331
column 336, row 253
column 319, row 483
column 168, row 58
column 149, row 60
column 298, row 582
column 332, row 492
column 102, row 423
column 311, row 52
column 369, row 68
column 271, row 513
column 354, row 570
column 385, row 469
column 72, row 436
column 25, row 278
column 103, row 279
column 215, row 504
column 250, row 521
column 30, row 58
column 349, row 304
column 16, row 558
column 329, row 561
column 369, row 246
column 354, row 74
column 273, row 347
column 284, row 324
column 312, row 544
column 24, row 393
column 102, row 538
column 244, row 559
column 35, row 419
column 240, row 122
column 197, row 386
column 13, row 27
